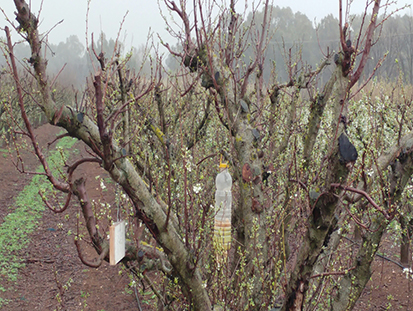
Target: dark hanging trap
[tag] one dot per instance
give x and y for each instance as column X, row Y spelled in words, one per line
column 348, row 152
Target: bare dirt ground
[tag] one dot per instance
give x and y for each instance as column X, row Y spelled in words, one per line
column 388, row 289
column 54, row 269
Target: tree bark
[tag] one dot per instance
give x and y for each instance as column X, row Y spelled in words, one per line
column 323, row 213
column 405, row 242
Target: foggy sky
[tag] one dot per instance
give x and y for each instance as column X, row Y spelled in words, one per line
column 143, row 16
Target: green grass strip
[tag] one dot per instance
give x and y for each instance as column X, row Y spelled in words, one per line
column 29, row 207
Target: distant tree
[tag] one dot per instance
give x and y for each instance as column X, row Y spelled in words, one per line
column 171, row 61
column 67, row 61
column 397, row 40
column 290, row 35
column 392, row 40
column 140, row 60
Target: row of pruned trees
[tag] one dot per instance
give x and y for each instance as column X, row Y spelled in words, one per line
column 160, row 139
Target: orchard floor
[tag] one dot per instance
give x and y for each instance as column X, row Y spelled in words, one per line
column 53, row 268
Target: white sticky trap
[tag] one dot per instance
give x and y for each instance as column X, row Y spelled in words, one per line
column 116, row 242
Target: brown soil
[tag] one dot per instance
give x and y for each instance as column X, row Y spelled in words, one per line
column 388, row 288
column 52, row 261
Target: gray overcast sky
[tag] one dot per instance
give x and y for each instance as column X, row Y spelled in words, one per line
column 106, row 15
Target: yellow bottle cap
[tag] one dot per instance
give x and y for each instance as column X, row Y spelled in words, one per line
column 222, row 164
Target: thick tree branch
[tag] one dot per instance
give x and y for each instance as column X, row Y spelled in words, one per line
column 88, row 263
column 316, row 112
column 56, row 183
column 54, row 210
column 366, row 196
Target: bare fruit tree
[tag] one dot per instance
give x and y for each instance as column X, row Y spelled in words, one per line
column 295, row 167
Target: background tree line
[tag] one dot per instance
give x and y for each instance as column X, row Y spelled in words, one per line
column 308, row 42
column 291, row 33
column 71, row 62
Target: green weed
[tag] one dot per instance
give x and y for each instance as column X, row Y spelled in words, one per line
column 28, row 209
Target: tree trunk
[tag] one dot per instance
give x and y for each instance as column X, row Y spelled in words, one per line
column 353, row 283
column 250, row 212
column 405, row 242
column 323, row 213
